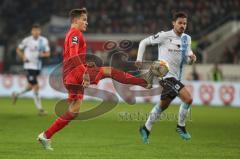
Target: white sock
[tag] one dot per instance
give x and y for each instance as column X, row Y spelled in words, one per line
column 37, row 101
column 182, row 115
column 153, row 116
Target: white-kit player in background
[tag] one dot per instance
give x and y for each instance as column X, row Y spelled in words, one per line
column 174, row 46
column 31, row 50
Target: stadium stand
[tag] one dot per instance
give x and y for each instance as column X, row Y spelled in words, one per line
column 132, row 16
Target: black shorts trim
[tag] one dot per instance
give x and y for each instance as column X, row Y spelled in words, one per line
column 32, row 76
column 171, row 88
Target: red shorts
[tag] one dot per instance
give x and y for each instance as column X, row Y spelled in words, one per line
column 73, row 81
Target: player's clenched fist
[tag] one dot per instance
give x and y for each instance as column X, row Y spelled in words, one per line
column 192, row 58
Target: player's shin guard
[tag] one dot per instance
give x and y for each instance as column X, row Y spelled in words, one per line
column 181, row 129
column 153, row 116
column 59, row 123
column 182, row 115
column 127, row 78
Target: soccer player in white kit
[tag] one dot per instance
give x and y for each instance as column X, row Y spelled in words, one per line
column 31, row 50
column 174, row 46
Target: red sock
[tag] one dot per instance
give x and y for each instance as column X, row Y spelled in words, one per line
column 59, row 123
column 127, row 78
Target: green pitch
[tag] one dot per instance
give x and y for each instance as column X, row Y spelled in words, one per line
column 215, row 134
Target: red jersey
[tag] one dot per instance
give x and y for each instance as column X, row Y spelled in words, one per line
column 74, row 51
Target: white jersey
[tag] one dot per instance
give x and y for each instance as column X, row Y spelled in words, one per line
column 32, row 48
column 173, row 49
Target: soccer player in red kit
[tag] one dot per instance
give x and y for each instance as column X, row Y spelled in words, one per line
column 79, row 74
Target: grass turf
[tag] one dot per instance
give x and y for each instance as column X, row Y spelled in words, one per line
column 215, row 133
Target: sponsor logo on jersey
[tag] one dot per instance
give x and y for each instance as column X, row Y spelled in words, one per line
column 75, row 40
column 174, row 51
column 155, row 36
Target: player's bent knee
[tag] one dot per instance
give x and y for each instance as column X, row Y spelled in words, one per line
column 74, row 109
column 30, row 86
column 163, row 106
column 189, row 101
column 75, row 106
column 35, row 87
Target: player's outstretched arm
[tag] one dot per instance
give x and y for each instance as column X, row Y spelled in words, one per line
column 141, row 49
column 151, row 40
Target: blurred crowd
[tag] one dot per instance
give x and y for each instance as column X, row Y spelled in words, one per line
column 118, row 16
column 231, row 54
column 122, row 16
column 141, row 16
